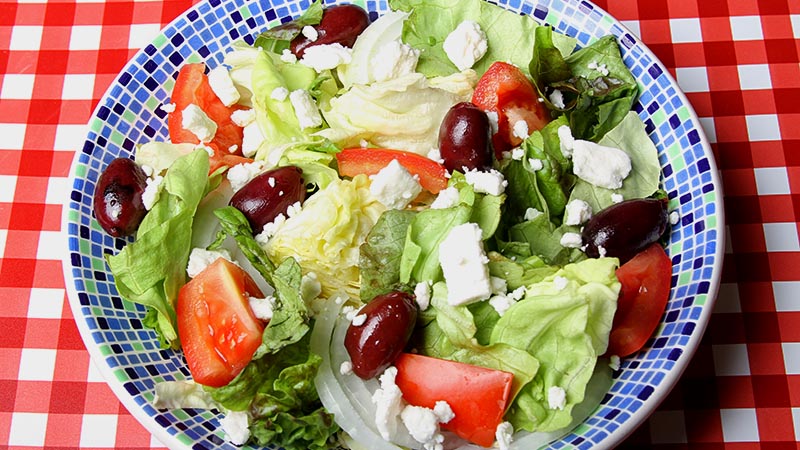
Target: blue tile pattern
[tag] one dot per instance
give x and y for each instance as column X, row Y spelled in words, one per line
column 130, row 114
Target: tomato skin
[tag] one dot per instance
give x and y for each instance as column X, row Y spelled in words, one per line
column 505, row 90
column 369, row 161
column 218, row 331
column 478, row 396
column 192, row 87
column 646, row 280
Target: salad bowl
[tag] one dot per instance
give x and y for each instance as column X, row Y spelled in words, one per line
column 129, row 354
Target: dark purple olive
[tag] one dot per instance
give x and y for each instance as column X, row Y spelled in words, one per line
column 269, row 194
column 341, row 24
column 624, row 229
column 378, row 341
column 465, row 138
column 118, row 204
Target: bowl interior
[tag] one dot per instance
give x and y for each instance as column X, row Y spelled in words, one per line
column 130, row 114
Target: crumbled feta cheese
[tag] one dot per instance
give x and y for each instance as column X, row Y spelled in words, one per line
column 243, row 117
column 571, row 240
column 517, row 154
column 674, row 218
column 601, row 251
column 613, row 362
column 151, row 192
column 499, row 285
column 435, row 155
column 599, row 67
column 465, row 45
column 252, row 138
column 567, row 142
column 279, row 94
column 200, row 258
column 168, row 107
column 346, row 368
column 236, row 425
column 443, row 411
column 577, row 212
column 288, row 57
column 504, row 435
column 494, row 121
column 388, row 400
column 517, row 294
column 560, row 282
column 305, row 108
column 393, row 60
column 532, row 213
column 536, row 164
column 220, row 81
column 241, row 174
column 491, row 182
column 198, row 123
column 423, row 425
column 464, row 264
column 359, row 320
column 447, row 198
column 556, row 397
column 394, row 186
column 262, row 307
column 269, row 229
column 521, row 129
column 326, row 56
column 293, row 209
column 310, row 33
column 271, row 181
column 422, row 294
column 501, row 303
column 600, row 165
column 557, row 99
column 617, row 198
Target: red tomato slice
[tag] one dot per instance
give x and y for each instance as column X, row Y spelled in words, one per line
column 478, row 396
column 645, row 282
column 505, row 90
column 224, row 159
column 218, row 331
column 191, row 87
column 369, row 161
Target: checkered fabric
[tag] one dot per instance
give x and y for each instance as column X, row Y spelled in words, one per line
column 737, row 60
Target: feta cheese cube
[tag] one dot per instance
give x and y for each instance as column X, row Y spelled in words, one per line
column 447, row 198
column 556, row 397
column 599, row 67
column 262, row 307
column 200, row 258
column 435, row 155
column 613, row 362
column 279, row 94
column 198, row 123
column 310, row 33
column 241, row 174
column 674, row 217
column 577, row 212
column 571, row 240
column 494, row 121
column 394, row 186
column 466, row 45
column 501, row 303
column 168, row 107
column 560, row 282
column 536, row 164
column 288, row 57
column 359, row 320
column 243, row 117
column 423, row 425
column 464, row 264
column 532, row 213
column 252, row 137
column 346, row 368
column 600, row 165
column 443, row 411
column 557, row 99
column 326, row 56
column 517, row 154
column 305, row 108
column 491, row 182
column 220, row 81
column 393, row 60
column 236, row 425
column 617, row 198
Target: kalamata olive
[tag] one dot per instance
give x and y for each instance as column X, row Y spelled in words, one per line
column 465, row 138
column 269, row 194
column 375, row 339
column 340, row 24
column 118, row 204
column 624, row 229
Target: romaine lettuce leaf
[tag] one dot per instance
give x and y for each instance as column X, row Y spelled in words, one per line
column 379, row 260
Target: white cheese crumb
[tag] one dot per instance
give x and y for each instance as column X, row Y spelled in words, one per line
column 168, row 107
column 220, row 81
column 236, row 425
column 279, row 94
column 617, row 198
column 288, row 57
column 447, row 198
column 326, row 57
column 465, row 45
column 423, row 425
column 151, row 192
column 294, row 209
column 243, row 117
column 388, row 400
column 443, row 411
column 600, row 165
column 271, row 181
column 422, row 294
column 393, row 60
column 241, row 174
column 532, row 214
column 560, row 282
column 517, row 154
column 517, row 294
column 674, row 218
column 521, row 129
column 499, row 285
column 346, row 368
column 556, row 398
column 577, row 212
column 270, row 229
column 198, row 123
column 536, row 164
column 310, row 33
column 613, row 362
column 200, row 258
column 435, row 155
column 491, row 182
column 252, row 138
column 464, row 265
column 601, row 251
column 599, row 67
column 494, row 121
column 262, row 307
column 359, row 320
column 571, row 240
column 394, row 186
column 504, row 435
column 501, row 303
column 557, row 99
column 567, row 142
column 305, row 108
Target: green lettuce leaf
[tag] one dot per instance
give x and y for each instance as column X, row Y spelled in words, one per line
column 279, row 38
column 152, row 269
column 569, row 334
column 420, row 260
column 380, row 255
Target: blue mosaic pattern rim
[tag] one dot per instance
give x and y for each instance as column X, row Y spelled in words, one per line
column 128, row 355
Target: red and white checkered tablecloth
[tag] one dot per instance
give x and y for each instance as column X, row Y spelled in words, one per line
column 737, row 60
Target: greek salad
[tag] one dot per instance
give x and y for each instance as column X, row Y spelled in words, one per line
column 437, row 228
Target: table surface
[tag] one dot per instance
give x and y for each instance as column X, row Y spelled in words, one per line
column 737, row 61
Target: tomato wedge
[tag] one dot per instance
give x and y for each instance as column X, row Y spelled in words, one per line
column 505, row 90
column 478, row 396
column 645, row 282
column 369, row 161
column 218, row 331
column 191, row 87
